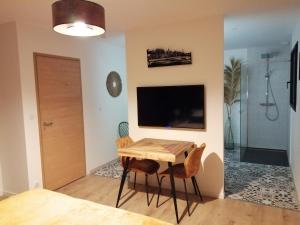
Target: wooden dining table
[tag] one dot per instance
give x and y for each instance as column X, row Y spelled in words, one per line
column 156, row 149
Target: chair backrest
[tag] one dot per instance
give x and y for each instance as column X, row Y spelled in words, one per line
column 124, row 142
column 123, row 129
column 193, row 160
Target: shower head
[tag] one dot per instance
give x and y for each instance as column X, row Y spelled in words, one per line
column 269, row 55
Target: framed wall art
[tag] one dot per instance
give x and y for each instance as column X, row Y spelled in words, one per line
column 160, row 57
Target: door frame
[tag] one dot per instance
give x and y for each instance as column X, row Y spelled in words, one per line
column 35, row 55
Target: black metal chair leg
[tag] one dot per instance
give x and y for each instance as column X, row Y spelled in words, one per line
column 134, row 180
column 194, row 185
column 198, row 189
column 173, row 190
column 125, row 171
column 186, row 198
column 159, row 189
column 146, row 182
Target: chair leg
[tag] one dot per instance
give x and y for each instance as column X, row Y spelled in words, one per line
column 198, row 189
column 157, row 177
column 134, row 180
column 186, row 198
column 159, row 189
column 146, row 185
column 195, row 188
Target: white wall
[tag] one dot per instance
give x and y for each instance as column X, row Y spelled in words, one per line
column 204, row 38
column 240, row 54
column 295, row 125
column 263, row 133
column 102, row 113
column 12, row 141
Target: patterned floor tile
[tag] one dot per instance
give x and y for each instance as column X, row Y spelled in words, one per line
column 112, row 169
column 258, row 183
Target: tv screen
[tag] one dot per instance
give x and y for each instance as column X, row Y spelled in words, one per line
column 171, row 106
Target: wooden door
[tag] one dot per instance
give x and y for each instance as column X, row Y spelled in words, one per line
column 58, row 84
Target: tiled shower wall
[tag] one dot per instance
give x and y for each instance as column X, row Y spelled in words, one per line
column 263, row 133
column 250, row 126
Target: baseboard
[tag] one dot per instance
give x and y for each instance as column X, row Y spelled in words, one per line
column 221, row 195
column 93, row 171
column 8, row 193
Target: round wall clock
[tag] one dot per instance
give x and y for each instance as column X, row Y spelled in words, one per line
column 114, row 84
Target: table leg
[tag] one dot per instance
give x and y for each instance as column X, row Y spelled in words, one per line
column 125, row 171
column 173, row 190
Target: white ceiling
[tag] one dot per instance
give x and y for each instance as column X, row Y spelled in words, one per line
column 124, row 15
column 256, row 30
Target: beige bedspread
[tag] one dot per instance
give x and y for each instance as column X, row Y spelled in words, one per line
column 42, row 207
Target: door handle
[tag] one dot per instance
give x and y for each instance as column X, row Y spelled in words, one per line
column 47, row 124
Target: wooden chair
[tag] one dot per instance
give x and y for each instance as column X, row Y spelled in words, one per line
column 188, row 169
column 146, row 166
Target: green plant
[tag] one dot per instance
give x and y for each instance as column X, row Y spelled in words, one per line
column 232, row 81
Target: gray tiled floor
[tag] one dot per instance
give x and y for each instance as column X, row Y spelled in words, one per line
column 258, row 183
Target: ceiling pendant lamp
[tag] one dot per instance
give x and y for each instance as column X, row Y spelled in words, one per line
column 78, row 18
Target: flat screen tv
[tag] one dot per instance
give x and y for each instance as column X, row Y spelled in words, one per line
column 171, row 106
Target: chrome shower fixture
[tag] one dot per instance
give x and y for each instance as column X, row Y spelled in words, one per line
column 269, row 55
column 270, row 98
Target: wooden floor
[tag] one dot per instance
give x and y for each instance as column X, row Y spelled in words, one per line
column 210, row 212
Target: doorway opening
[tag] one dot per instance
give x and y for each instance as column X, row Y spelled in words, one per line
column 256, row 109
